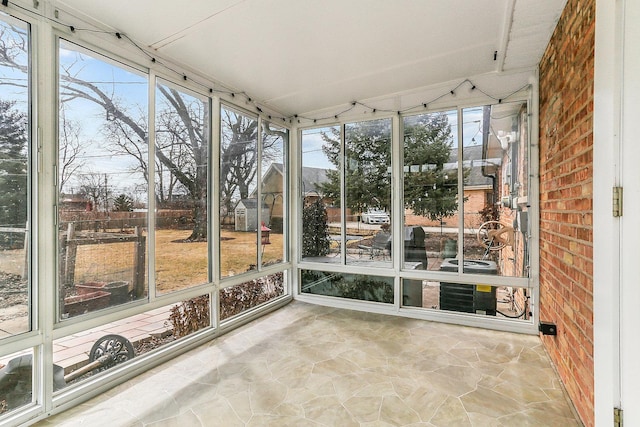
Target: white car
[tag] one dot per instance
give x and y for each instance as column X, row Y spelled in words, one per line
column 375, row 216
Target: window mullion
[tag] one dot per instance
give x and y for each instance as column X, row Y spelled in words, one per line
column 151, row 191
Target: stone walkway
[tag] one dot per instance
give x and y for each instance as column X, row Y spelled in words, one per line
column 72, row 352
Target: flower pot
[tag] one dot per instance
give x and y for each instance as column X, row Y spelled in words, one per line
column 119, row 292
column 89, row 287
column 91, row 301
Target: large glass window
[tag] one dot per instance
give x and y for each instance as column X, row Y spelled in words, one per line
column 489, row 169
column 321, row 195
column 103, row 182
column 464, row 201
column 182, row 160
column 496, row 205
column 273, row 184
column 253, row 209
column 489, row 173
column 367, row 178
column 238, row 193
column 346, row 214
column 430, row 189
column 15, row 180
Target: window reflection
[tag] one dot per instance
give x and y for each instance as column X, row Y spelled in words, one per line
column 496, row 204
column 350, row 286
column 16, row 379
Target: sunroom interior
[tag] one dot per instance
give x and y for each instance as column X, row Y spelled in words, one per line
column 406, row 174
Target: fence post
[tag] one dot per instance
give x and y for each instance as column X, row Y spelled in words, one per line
column 26, row 266
column 139, row 264
column 70, row 254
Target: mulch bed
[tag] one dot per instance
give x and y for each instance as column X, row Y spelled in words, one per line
column 13, row 292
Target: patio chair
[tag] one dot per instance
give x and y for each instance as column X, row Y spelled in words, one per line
column 379, row 246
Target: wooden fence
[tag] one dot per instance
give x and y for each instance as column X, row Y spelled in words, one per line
column 70, row 241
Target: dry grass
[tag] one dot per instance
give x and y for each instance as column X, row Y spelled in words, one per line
column 179, row 265
column 238, row 251
column 104, row 262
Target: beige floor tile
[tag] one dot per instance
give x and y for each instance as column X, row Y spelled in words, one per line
column 307, row 365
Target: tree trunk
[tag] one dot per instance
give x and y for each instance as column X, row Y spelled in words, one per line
column 200, row 228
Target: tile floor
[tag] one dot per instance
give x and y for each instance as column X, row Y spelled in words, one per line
column 307, row 365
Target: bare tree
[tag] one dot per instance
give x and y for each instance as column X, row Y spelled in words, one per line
column 185, row 132
column 183, row 147
column 70, row 149
column 94, row 186
column 239, row 155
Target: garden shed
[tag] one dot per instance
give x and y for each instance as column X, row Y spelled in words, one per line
column 246, row 214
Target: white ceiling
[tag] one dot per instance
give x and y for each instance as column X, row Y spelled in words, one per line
column 300, row 56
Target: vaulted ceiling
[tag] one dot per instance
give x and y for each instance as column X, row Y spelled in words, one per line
column 299, row 56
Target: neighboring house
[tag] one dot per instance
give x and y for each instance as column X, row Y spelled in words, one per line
column 312, row 179
column 75, row 203
column 479, row 186
column 246, row 215
column 272, row 189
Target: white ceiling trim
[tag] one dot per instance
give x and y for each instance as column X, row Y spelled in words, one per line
column 303, row 56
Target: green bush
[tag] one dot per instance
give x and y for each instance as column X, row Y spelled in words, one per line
column 315, row 230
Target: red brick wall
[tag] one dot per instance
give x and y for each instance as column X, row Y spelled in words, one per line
column 566, row 214
column 476, row 200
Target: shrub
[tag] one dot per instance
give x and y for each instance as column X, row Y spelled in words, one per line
column 190, row 316
column 236, row 299
column 315, row 230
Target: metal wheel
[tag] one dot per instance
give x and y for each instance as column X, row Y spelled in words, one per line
column 117, row 347
column 494, row 235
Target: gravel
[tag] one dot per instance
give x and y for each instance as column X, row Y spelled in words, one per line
column 13, row 293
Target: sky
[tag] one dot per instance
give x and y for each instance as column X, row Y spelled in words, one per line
column 129, row 89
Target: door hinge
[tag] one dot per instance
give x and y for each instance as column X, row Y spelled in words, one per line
column 617, row 417
column 617, row 201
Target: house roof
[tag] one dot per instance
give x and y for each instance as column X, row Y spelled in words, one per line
column 251, row 204
column 472, row 158
column 473, row 161
column 311, row 177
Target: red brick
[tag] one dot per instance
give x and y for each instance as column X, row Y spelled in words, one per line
column 566, row 201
